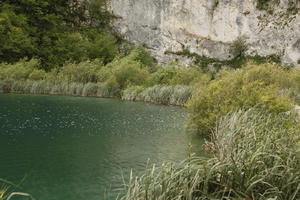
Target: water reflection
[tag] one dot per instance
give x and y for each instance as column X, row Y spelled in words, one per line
column 74, row 148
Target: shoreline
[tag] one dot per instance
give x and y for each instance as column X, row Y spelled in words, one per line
column 93, row 96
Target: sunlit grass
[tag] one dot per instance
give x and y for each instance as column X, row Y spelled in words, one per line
column 255, row 157
column 7, row 191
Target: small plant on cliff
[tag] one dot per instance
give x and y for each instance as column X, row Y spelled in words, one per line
column 266, row 4
column 238, row 47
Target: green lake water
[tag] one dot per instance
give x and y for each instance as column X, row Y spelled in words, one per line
column 70, row 148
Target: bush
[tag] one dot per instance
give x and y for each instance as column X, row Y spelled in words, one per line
column 238, row 48
column 125, row 72
column 252, row 86
column 37, row 74
column 112, row 86
column 255, row 157
column 18, row 71
column 139, row 54
column 101, row 45
column 83, row 72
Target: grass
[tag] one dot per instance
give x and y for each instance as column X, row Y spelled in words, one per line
column 7, row 191
column 159, row 94
column 44, row 87
column 119, row 78
column 255, row 157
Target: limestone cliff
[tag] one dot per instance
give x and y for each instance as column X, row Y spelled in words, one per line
column 208, row 27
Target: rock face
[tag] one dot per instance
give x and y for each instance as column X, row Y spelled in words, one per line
column 208, row 27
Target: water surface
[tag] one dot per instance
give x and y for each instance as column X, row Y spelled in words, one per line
column 70, row 148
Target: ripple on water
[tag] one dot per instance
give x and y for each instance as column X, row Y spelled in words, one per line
column 74, row 148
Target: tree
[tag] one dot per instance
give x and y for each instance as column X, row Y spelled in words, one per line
column 55, row 31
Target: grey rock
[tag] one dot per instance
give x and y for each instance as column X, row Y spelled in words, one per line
column 208, row 27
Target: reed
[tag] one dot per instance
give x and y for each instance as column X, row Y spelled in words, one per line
column 90, row 89
column 59, row 88
column 103, row 91
column 7, row 191
column 173, row 95
column 1, row 87
column 255, row 156
column 133, row 93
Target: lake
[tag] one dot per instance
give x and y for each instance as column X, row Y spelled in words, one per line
column 72, row 148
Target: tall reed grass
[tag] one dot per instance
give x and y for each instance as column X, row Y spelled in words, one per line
column 62, row 88
column 170, row 95
column 255, row 157
column 161, row 94
column 1, row 87
column 7, row 191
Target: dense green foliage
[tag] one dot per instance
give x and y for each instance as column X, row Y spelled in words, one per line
column 133, row 77
column 55, row 31
column 267, row 87
column 254, row 157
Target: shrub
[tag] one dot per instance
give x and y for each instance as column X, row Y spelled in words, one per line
column 101, row 45
column 37, row 74
column 239, row 47
column 112, row 86
column 245, row 88
column 255, row 157
column 18, row 71
column 139, row 54
column 130, row 74
column 125, row 72
column 83, row 72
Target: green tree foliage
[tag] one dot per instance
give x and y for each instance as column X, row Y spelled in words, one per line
column 55, row 31
column 131, row 77
column 15, row 37
column 252, row 86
